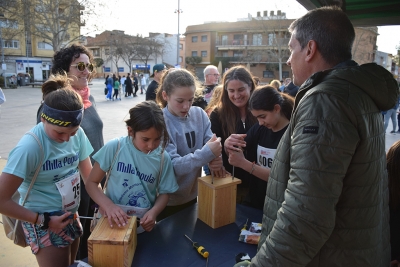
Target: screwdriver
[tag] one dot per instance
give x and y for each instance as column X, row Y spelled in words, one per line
column 200, row 249
column 245, row 225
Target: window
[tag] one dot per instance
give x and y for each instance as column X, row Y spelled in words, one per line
column 96, row 52
column 237, row 39
column 180, row 59
column 271, row 38
column 194, row 53
column 224, row 39
column 107, row 51
column 194, row 39
column 257, row 39
column 224, row 54
column 285, row 74
column 204, row 38
column 203, row 53
column 10, row 44
column 9, row 23
column 44, row 46
column 180, row 46
column 237, row 54
column 268, row 74
column 43, row 28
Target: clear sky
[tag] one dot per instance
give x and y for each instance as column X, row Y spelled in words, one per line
column 143, row 17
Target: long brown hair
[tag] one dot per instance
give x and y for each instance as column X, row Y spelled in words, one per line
column 393, row 169
column 229, row 114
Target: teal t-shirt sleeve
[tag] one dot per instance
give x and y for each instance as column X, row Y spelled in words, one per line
column 106, row 154
column 168, row 182
column 86, row 148
column 23, row 160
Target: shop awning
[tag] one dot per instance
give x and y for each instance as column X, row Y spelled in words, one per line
column 363, row 13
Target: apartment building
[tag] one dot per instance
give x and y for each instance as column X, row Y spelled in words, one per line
column 182, row 51
column 27, row 44
column 260, row 42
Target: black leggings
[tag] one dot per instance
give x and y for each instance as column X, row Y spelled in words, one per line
column 115, row 93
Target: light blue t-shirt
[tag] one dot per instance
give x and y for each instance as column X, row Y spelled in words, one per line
column 60, row 161
column 134, row 175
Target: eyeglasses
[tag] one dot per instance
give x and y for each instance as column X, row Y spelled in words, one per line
column 215, row 74
column 81, row 66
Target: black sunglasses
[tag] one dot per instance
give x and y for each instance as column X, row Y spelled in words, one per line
column 81, row 66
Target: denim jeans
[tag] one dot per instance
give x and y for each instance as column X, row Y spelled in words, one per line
column 391, row 114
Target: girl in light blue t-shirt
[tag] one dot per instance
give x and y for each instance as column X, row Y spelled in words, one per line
column 60, row 153
column 135, row 186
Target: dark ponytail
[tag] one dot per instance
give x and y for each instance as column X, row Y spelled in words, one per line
column 266, row 97
column 58, row 94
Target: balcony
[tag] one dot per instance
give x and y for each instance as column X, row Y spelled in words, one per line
column 251, row 44
column 252, row 59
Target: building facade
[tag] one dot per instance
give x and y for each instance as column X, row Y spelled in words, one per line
column 110, row 46
column 182, row 52
column 257, row 42
column 27, row 44
column 260, row 42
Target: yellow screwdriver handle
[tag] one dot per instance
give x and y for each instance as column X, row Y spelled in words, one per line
column 202, row 251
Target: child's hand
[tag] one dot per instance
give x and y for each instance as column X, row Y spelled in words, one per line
column 116, row 215
column 216, row 166
column 215, row 145
column 235, row 142
column 148, row 221
column 60, row 222
column 236, row 158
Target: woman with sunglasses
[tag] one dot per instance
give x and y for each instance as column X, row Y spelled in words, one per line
column 76, row 60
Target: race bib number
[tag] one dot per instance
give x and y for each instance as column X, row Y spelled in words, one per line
column 265, row 156
column 70, row 191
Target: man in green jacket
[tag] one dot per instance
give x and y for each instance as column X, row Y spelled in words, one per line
column 327, row 196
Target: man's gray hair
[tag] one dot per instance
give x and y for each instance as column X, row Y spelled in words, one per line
column 209, row 67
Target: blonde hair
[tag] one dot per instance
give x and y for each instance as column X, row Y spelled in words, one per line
column 215, row 99
column 276, row 84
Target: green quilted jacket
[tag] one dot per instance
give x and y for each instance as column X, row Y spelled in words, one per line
column 327, row 196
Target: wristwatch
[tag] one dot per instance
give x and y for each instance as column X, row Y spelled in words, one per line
column 44, row 225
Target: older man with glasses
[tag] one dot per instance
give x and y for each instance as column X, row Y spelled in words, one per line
column 211, row 77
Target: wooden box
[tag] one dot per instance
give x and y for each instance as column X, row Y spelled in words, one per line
column 112, row 247
column 217, row 201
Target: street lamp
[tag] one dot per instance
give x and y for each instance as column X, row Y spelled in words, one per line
column 179, row 11
column 2, row 50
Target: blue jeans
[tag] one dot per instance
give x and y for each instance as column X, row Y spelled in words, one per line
column 391, row 114
column 109, row 87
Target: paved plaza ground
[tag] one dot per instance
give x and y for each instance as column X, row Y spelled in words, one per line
column 18, row 115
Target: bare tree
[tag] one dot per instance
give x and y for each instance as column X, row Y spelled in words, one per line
column 272, row 38
column 56, row 22
column 129, row 50
column 145, row 48
column 116, row 44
